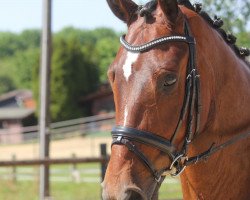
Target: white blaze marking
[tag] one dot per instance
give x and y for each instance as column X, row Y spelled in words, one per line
column 127, row 67
column 125, row 116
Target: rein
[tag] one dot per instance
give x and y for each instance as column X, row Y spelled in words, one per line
column 190, row 112
column 213, row 149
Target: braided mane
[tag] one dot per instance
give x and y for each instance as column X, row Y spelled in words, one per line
column 216, row 23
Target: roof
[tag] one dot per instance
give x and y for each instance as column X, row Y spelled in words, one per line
column 16, row 93
column 103, row 91
column 15, row 113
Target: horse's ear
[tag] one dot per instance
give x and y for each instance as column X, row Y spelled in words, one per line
column 123, row 9
column 170, row 8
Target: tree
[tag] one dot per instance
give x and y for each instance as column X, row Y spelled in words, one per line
column 72, row 76
column 18, row 68
column 30, row 38
column 10, row 43
column 244, row 39
column 99, row 45
column 19, row 54
column 23, row 64
column 80, row 57
column 235, row 13
column 105, row 49
column 6, row 84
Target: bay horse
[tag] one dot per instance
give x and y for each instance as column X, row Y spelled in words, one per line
column 182, row 96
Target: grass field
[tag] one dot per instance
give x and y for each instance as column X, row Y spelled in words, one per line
column 62, row 185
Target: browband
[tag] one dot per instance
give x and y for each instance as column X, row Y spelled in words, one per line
column 155, row 42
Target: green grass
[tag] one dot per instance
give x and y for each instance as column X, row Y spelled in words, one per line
column 170, row 191
column 29, row 189
column 98, row 134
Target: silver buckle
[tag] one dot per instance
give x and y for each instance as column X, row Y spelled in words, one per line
column 174, row 171
column 158, row 179
column 119, row 139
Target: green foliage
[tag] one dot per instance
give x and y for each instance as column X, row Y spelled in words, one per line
column 80, row 60
column 19, row 54
column 23, row 64
column 105, row 49
column 234, row 13
column 30, row 39
column 99, row 45
column 17, row 69
column 72, row 76
column 10, row 43
column 243, row 39
column 6, row 84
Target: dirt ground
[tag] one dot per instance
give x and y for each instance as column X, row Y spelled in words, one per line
column 81, row 147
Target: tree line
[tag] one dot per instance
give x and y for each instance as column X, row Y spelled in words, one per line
column 79, row 63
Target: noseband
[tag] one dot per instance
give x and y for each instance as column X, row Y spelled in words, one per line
column 190, row 113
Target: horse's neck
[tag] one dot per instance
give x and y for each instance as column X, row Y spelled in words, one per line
column 231, row 94
column 229, row 83
column 229, row 115
column 225, row 81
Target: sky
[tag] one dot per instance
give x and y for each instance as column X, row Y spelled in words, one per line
column 17, row 15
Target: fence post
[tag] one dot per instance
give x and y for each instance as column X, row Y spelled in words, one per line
column 14, row 171
column 75, row 174
column 103, row 148
column 74, row 166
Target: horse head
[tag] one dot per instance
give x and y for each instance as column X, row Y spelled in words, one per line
column 156, row 86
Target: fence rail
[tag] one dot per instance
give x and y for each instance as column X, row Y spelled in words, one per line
column 51, row 161
column 60, row 130
column 103, row 159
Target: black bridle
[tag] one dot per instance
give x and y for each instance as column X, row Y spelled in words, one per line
column 190, row 112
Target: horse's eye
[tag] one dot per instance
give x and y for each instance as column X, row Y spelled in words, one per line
column 170, row 79
column 167, row 82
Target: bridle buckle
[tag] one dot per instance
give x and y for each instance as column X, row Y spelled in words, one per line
column 177, row 166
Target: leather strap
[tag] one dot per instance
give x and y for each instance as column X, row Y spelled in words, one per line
column 213, row 149
column 131, row 147
column 144, row 137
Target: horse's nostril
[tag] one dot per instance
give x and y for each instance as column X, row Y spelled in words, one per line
column 134, row 195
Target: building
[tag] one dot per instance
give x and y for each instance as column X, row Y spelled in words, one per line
column 100, row 101
column 17, row 109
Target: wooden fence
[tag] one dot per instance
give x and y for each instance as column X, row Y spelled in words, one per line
column 73, row 173
column 103, row 160
column 61, row 130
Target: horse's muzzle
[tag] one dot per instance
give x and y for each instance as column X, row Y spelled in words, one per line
column 129, row 193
